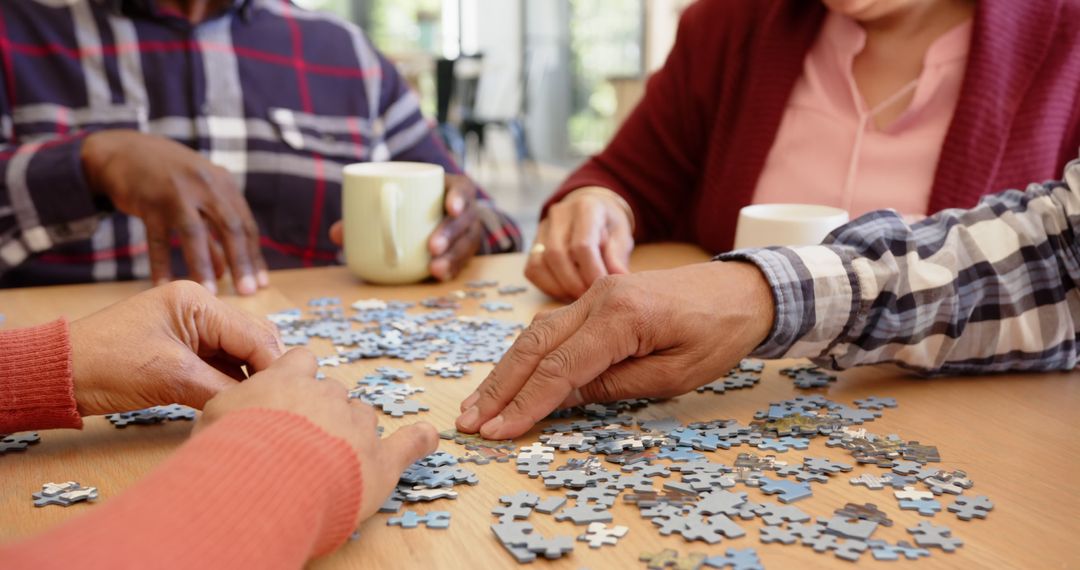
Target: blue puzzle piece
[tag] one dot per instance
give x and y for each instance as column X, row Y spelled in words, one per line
column 789, row 491
column 680, row 454
column 926, row 507
column 434, row 519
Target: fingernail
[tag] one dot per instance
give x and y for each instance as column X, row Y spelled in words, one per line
column 438, row 244
column 210, row 286
column 456, row 205
column 439, row 269
column 246, row 285
column 263, row 278
column 468, row 420
column 490, row 430
column 468, row 403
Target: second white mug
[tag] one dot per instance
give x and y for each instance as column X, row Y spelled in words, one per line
column 763, row 225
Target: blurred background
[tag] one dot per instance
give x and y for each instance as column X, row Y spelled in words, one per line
column 522, row 90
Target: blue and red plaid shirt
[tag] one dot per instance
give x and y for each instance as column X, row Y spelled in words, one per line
column 281, row 97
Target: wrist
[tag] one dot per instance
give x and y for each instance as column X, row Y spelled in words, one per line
column 755, row 298
column 609, row 196
column 97, row 150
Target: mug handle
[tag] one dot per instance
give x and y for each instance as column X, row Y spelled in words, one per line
column 388, row 204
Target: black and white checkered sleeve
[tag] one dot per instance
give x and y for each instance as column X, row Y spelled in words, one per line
column 993, row 288
column 44, row 198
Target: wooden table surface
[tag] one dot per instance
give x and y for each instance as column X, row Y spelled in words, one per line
column 1015, row 435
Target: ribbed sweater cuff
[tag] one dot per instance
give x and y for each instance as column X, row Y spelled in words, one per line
column 36, row 388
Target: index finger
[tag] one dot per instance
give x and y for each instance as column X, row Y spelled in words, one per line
column 590, row 351
column 517, row 365
column 195, row 245
column 586, row 235
column 234, row 224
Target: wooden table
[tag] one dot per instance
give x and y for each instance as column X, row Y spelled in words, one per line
column 1016, row 436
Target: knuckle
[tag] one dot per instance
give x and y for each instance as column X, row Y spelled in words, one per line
column 581, row 248
column 183, row 292
column 234, row 227
column 553, row 254
column 492, row 389
column 533, row 341
column 606, row 284
column 191, row 228
column 557, row 364
column 519, row 406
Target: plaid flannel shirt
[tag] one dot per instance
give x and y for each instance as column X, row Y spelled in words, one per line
column 281, row 97
column 989, row 289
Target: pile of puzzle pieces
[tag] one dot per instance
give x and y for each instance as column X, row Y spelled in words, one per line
column 375, row 328
column 703, row 505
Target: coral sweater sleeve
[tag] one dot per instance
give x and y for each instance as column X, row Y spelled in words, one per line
column 257, row 489
column 36, row 391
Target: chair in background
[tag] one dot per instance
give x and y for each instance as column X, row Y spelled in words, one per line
column 474, row 96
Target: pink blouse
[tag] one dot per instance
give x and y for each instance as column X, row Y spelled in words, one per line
column 828, row 149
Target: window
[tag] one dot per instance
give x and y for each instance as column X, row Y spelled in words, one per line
column 606, row 42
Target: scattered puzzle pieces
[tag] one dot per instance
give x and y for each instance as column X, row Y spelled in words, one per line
column 18, row 441
column 600, row 534
column 927, row 534
column 410, row 519
column 967, row 508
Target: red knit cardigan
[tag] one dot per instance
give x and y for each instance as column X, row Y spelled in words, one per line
column 689, row 156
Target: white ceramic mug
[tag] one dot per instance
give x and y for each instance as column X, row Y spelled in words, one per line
column 762, row 225
column 389, row 211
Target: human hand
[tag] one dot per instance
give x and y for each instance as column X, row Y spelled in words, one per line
column 457, row 238
column 175, row 189
column 176, row 343
column 584, row 237
column 651, row 334
column 289, row 384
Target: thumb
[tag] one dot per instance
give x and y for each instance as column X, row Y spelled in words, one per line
column 409, row 444
column 296, row 362
column 631, row 378
column 616, row 250
column 241, row 335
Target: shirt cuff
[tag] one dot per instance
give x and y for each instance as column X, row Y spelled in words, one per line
column 816, row 293
column 51, row 174
column 36, row 386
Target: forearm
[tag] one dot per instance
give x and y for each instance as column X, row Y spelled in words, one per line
column 36, row 387
column 983, row 290
column 259, row 489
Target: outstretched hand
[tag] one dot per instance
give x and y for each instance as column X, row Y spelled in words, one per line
column 651, row 334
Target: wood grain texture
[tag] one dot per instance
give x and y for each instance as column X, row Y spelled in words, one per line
column 1015, row 435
